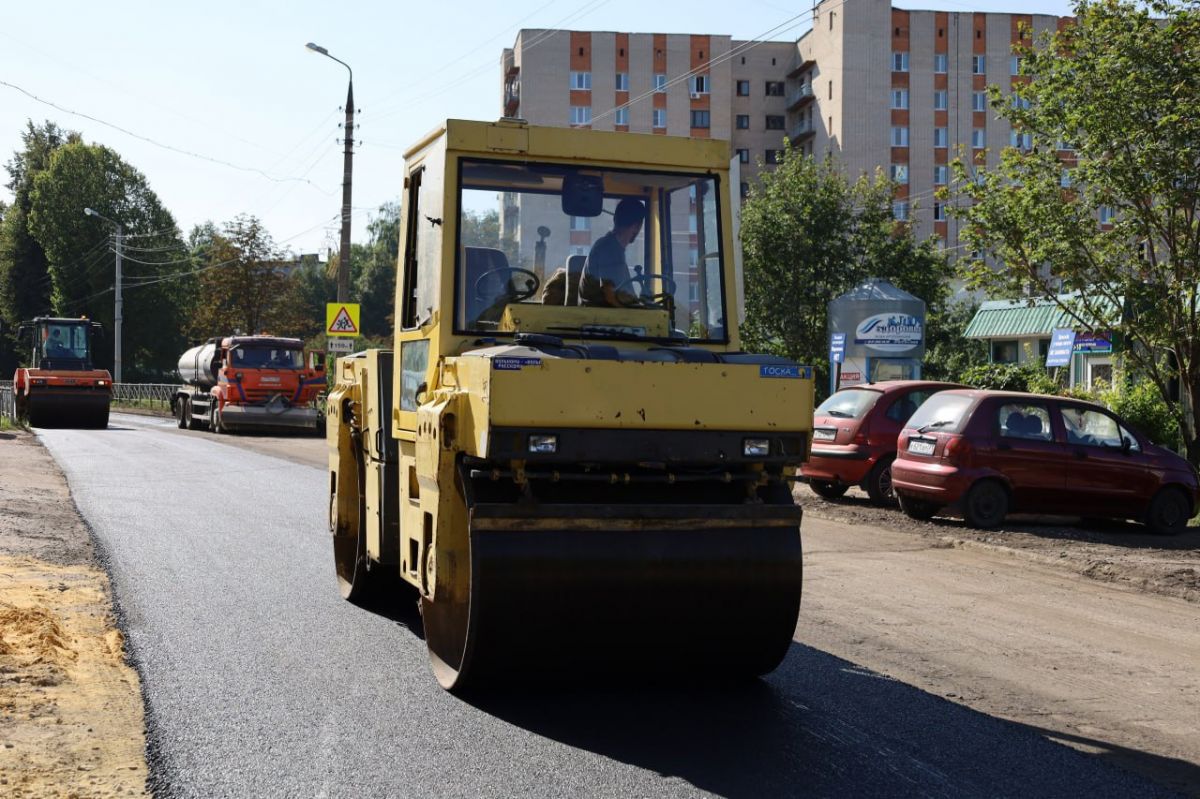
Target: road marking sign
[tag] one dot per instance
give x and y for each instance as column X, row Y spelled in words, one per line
column 341, row 319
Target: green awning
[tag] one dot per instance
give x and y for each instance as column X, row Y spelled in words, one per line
column 1021, row 318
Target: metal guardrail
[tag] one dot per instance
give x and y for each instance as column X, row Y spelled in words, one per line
column 144, row 394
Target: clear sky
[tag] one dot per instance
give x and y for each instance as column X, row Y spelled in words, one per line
column 232, row 82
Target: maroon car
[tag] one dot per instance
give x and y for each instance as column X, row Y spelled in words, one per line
column 987, row 453
column 854, row 436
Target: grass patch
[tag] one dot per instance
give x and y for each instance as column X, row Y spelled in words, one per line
column 9, row 423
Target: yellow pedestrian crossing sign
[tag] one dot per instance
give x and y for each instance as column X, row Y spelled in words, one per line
column 341, row 319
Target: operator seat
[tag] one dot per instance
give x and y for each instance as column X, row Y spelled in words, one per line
column 476, row 262
column 575, row 265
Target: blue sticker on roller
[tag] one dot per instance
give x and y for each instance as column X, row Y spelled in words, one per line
column 514, row 364
column 781, row 370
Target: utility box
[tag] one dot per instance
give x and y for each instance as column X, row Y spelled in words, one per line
column 884, row 330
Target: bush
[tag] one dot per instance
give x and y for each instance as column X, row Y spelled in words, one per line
column 1010, row 377
column 1141, row 404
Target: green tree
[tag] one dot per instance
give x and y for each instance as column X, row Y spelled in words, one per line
column 948, row 353
column 243, row 287
column 1111, row 107
column 376, row 284
column 809, row 235
column 24, row 276
column 79, row 253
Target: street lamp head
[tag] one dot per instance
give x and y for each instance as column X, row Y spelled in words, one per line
column 316, row 48
column 89, row 212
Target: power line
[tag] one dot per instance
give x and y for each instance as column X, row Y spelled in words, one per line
column 148, row 140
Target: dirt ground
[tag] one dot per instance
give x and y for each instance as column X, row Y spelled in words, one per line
column 1122, row 553
column 70, row 706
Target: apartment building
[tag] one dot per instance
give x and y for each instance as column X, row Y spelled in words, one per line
column 874, row 86
column 906, row 91
column 699, row 85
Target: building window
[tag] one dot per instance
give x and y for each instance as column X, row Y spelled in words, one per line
column 1064, row 179
column 979, row 101
column 743, row 155
column 743, row 88
column 579, row 249
column 1107, row 213
column 900, row 98
column 941, row 173
column 581, row 115
column 700, row 84
column 775, row 122
column 899, row 136
column 745, row 189
column 1064, row 146
column 979, row 138
column 581, row 81
column 622, row 116
column 978, row 65
column 899, row 173
column 941, row 137
column 1020, row 102
column 900, row 210
column 1022, row 141
column 774, row 156
column 899, row 62
column 581, row 223
column 743, row 122
column 660, row 82
column 622, row 81
column 1004, row 352
column 939, row 100
column 1015, row 65
column 939, row 212
column 940, row 62
column 659, row 118
column 700, row 119
column 774, row 88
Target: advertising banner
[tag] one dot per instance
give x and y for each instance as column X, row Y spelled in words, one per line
column 1062, row 344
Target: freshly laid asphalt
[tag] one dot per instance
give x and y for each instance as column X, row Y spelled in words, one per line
column 259, row 680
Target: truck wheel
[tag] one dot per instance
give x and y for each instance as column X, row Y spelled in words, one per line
column 986, row 504
column 192, row 422
column 828, row 490
column 214, row 419
column 879, row 483
column 181, row 413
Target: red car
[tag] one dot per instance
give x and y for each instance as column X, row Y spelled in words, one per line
column 986, row 453
column 854, row 436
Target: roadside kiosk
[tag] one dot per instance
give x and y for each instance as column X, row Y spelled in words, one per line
column 882, row 332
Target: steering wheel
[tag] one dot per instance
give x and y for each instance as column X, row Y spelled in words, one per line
column 531, row 287
column 642, row 298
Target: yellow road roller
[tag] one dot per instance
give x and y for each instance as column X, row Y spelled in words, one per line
column 567, row 457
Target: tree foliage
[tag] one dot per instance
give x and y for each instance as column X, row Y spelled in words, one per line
column 243, row 287
column 808, row 236
column 80, row 252
column 376, row 283
column 1111, row 105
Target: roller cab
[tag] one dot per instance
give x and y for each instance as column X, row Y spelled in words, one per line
column 61, row 387
column 585, row 478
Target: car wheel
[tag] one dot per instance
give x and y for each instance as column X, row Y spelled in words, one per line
column 879, row 483
column 986, row 504
column 919, row 509
column 828, row 490
column 1168, row 512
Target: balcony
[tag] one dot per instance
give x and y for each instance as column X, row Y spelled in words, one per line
column 800, row 97
column 801, row 131
column 801, row 67
column 512, row 98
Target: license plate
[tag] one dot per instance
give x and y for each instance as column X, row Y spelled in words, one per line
column 824, row 435
column 921, row 447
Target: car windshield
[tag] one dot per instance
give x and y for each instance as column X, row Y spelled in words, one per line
column 576, row 251
column 849, row 403
column 942, row 413
column 267, row 358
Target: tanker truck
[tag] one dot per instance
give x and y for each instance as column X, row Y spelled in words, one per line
column 249, row 382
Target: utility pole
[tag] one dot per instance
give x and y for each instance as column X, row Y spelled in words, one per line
column 117, row 311
column 343, row 275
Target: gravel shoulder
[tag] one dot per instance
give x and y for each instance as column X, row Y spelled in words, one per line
column 1120, row 553
column 70, row 705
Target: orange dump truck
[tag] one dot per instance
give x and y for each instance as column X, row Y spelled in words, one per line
column 249, row 382
column 62, row 388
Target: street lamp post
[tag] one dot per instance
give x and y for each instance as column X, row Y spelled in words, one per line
column 343, row 275
column 117, row 311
